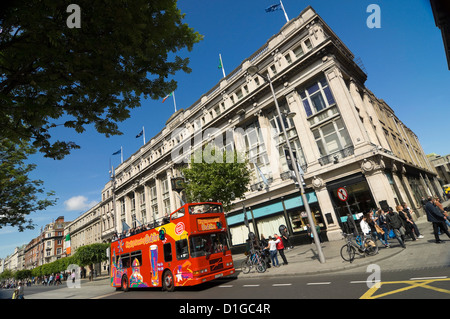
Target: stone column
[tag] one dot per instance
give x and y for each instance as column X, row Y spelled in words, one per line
column 378, row 182
column 334, row 232
column 346, row 108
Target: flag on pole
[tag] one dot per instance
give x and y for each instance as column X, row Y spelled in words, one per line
column 273, row 7
column 167, row 97
column 121, row 154
column 67, row 244
column 141, row 133
column 221, row 65
column 278, row 6
column 174, row 102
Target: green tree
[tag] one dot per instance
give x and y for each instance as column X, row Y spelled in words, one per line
column 53, row 75
column 91, row 254
column 19, row 195
column 216, row 176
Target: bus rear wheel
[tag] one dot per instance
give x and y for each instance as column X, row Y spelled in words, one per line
column 125, row 285
column 168, row 281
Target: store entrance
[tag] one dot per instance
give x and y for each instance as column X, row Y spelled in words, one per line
column 359, row 199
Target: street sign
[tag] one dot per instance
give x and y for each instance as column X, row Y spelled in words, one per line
column 342, row 194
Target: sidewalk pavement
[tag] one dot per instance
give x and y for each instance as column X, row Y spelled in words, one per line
column 303, row 260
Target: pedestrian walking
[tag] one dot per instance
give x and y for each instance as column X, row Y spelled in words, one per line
column 379, row 220
column 408, row 212
column 280, row 249
column 435, row 216
column 407, row 223
column 395, row 223
column 272, row 246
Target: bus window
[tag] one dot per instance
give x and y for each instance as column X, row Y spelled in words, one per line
column 136, row 255
column 202, row 245
column 205, row 208
column 181, row 247
column 179, row 213
column 125, row 260
column 167, row 252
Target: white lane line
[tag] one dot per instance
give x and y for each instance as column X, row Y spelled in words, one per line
column 226, row 286
column 318, row 283
column 281, row 285
column 361, row 281
column 426, row 278
column 250, row 286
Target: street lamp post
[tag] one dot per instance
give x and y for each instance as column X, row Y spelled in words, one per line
column 254, row 70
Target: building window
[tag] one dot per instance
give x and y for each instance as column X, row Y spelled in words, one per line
column 331, row 137
column 256, row 153
column 142, row 206
column 317, row 97
column 154, row 200
column 278, row 136
column 166, row 196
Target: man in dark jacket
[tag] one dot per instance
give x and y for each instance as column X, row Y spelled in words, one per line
column 435, row 216
column 395, row 223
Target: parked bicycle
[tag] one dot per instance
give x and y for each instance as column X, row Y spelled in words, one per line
column 254, row 259
column 364, row 246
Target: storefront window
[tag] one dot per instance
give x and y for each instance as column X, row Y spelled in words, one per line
column 299, row 218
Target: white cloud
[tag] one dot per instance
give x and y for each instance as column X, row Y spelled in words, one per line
column 78, row 203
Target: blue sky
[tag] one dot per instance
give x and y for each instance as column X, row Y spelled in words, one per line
column 404, row 59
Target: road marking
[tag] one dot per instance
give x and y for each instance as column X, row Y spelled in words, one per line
column 107, row 295
column 281, row 285
column 318, row 283
column 251, row 286
column 226, row 286
column 364, row 281
column 427, row 278
column 411, row 284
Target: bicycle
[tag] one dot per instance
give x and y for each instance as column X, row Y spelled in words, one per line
column 364, row 247
column 253, row 260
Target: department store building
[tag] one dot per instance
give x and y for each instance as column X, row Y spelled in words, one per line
column 342, row 134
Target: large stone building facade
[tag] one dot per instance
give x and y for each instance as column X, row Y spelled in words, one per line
column 343, row 136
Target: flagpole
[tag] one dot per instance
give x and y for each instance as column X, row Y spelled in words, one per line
column 285, row 14
column 221, row 64
column 143, row 133
column 121, row 155
column 174, row 102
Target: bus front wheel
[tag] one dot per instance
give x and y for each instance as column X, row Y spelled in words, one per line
column 125, row 284
column 168, row 281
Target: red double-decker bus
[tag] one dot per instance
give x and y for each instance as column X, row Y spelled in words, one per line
column 187, row 248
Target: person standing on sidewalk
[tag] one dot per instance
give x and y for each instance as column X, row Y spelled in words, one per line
column 272, row 246
column 280, row 249
column 437, row 219
column 395, row 223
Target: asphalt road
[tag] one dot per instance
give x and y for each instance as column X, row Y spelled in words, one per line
column 433, row 283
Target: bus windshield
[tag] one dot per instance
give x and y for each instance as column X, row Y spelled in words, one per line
column 202, row 245
column 205, row 209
